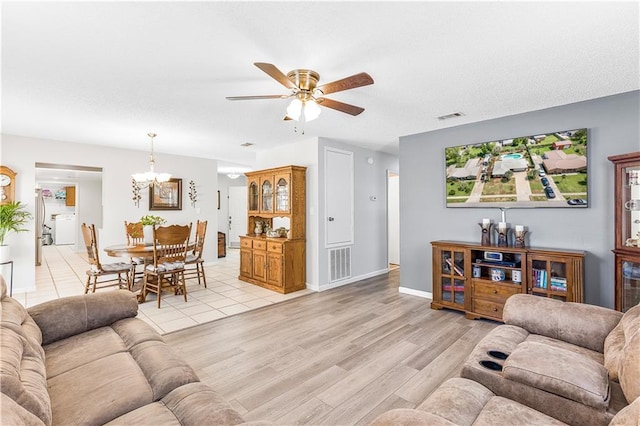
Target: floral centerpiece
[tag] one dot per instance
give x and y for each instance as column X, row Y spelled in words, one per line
column 148, row 222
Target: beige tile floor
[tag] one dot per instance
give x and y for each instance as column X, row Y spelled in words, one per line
column 63, row 274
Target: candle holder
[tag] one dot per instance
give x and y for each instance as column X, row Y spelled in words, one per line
column 503, row 236
column 519, row 239
column 486, row 233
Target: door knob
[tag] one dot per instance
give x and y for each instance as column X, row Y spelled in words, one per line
column 331, row 219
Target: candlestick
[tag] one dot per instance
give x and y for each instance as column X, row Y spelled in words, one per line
column 486, row 233
column 503, row 234
column 519, row 228
column 519, row 238
column 486, row 221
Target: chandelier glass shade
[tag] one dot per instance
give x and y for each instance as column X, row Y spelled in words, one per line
column 150, row 178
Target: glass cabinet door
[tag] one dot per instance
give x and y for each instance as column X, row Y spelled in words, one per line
column 630, row 291
column 630, row 205
column 254, row 196
column 282, row 194
column 267, row 196
column 452, row 276
column 549, row 278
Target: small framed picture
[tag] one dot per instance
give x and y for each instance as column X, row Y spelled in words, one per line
column 167, row 196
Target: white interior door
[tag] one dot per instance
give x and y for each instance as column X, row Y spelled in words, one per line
column 237, row 215
column 339, row 212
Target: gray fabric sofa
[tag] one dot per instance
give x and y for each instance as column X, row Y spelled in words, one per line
column 87, row 360
column 564, row 363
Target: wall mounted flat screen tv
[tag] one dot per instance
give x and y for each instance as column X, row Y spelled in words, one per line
column 546, row 170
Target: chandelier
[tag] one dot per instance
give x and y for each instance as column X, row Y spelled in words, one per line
column 150, row 178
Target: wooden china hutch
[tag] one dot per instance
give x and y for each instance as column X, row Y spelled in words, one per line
column 627, row 230
column 276, row 198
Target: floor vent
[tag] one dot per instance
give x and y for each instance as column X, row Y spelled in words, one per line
column 339, row 264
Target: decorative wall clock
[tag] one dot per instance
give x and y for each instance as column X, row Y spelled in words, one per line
column 7, row 185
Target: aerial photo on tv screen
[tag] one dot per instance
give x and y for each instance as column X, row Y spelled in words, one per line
column 546, row 170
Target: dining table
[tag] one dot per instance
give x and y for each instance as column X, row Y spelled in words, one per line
column 141, row 251
column 138, row 251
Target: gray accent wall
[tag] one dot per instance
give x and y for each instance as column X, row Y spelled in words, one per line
column 613, row 128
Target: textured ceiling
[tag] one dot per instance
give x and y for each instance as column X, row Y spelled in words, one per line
column 108, row 73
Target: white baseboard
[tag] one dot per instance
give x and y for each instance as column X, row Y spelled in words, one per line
column 419, row 293
column 336, row 284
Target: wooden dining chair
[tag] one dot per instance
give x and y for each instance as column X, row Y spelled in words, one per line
column 120, row 271
column 195, row 257
column 170, row 245
column 134, row 232
column 135, row 236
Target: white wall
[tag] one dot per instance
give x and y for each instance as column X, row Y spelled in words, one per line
column 21, row 154
column 612, row 124
column 88, row 197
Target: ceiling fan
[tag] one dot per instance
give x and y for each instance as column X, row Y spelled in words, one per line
column 306, row 94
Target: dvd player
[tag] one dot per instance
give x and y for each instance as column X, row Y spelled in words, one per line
column 498, row 263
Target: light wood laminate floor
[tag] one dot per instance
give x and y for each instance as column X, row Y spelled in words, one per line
column 339, row 357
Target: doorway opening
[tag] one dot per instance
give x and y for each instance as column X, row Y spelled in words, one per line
column 66, row 197
column 393, row 219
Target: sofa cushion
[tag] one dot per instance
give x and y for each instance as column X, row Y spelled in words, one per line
column 69, row 316
column 73, row 352
column 503, row 411
column 123, row 367
column 560, row 372
column 192, row 404
column 613, row 346
column 628, row 416
column 99, row 391
column 629, row 365
column 464, row 402
column 594, row 355
column 577, row 323
column 15, row 317
column 409, row 417
column 23, row 375
column 457, row 400
column 14, row 414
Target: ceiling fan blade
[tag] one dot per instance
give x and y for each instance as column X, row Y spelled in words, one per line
column 339, row 106
column 357, row 80
column 276, row 74
column 247, row 98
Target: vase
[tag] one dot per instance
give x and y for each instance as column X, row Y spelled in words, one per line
column 148, row 234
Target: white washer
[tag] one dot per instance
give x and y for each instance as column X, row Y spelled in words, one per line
column 65, row 229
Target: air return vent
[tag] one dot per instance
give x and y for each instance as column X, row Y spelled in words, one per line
column 339, row 264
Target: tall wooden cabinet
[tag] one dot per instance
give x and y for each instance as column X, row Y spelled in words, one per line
column 627, row 230
column 277, row 263
column 478, row 279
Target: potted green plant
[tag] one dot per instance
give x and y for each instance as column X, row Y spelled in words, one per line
column 148, row 222
column 13, row 217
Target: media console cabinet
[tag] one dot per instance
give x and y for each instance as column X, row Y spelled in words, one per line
column 477, row 279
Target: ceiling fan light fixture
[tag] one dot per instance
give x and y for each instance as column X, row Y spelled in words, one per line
column 294, row 109
column 311, row 110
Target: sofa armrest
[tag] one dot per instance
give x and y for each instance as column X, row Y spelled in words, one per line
column 68, row 316
column 577, row 323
